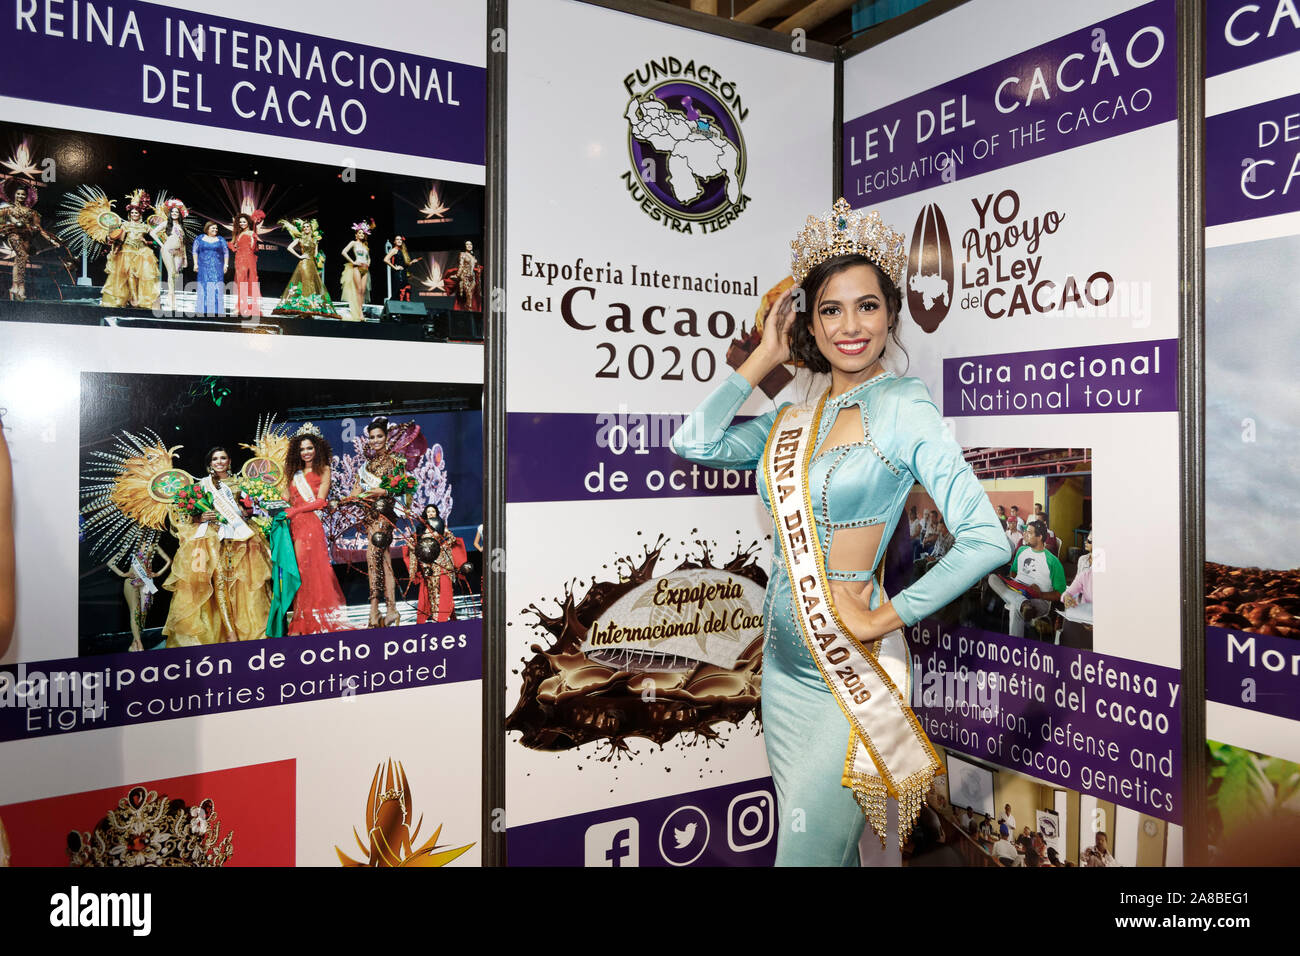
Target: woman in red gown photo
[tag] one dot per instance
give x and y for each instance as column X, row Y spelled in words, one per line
column 318, row 607
column 244, row 243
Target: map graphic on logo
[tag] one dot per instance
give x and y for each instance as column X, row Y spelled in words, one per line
column 686, row 149
column 929, row 286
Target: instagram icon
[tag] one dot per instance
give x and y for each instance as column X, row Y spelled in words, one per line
column 750, row 821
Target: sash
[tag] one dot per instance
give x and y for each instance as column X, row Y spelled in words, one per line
column 369, row 481
column 223, row 502
column 304, row 487
column 888, row 752
column 138, row 571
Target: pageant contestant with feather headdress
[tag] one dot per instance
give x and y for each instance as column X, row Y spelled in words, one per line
column 356, row 271
column 173, row 234
column 220, row 579
column 20, row 223
column 87, row 221
column 305, row 294
column 835, row 474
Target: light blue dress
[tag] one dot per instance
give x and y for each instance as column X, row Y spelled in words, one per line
column 852, row 486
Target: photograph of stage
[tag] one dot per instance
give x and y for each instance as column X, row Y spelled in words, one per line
column 105, row 230
column 224, row 508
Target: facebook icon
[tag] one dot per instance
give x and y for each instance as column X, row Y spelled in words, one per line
column 614, row 843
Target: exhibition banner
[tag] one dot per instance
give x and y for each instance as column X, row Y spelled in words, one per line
column 149, row 59
column 701, row 156
column 1252, row 566
column 1239, row 34
column 1029, row 155
column 1105, row 79
column 247, row 521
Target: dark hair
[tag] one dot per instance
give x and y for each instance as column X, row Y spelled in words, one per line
column 1038, row 527
column 207, row 458
column 803, row 344
column 243, row 215
column 210, row 225
column 293, row 460
column 380, row 422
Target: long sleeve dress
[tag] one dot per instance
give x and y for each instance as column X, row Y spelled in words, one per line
column 852, row 486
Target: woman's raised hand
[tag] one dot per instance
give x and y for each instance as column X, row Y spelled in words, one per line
column 776, row 328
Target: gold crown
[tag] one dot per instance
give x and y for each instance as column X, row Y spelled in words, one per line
column 843, row 232
column 147, row 829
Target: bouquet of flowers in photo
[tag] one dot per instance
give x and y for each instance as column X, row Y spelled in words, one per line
column 193, row 501
column 399, row 483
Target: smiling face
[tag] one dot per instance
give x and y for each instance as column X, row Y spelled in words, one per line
column 378, row 438
column 850, row 321
column 219, row 463
column 307, row 451
column 133, row 215
column 212, row 229
column 175, row 213
column 243, row 222
column 20, row 196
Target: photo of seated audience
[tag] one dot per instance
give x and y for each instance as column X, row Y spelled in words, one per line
column 980, row 814
column 1043, row 497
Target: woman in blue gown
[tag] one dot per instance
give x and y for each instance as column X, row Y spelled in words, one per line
column 211, row 260
column 878, row 435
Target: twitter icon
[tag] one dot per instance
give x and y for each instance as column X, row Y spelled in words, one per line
column 684, row 836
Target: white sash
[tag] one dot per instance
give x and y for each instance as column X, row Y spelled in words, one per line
column 369, row 481
column 304, row 487
column 888, row 752
column 138, row 571
column 223, row 502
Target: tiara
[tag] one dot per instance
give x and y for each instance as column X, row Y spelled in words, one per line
column 842, row 232
column 308, row 429
column 148, row 829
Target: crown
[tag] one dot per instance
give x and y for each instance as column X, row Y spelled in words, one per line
column 843, row 232
column 308, row 429
column 150, row 830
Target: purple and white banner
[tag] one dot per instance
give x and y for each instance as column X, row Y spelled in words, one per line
column 146, row 59
column 1252, row 162
column 1259, row 672
column 119, row 690
column 1106, row 79
column 1129, row 377
column 1239, row 34
column 609, row 455
column 733, row 825
column 1107, row 727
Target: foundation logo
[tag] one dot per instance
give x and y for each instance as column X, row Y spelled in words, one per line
column 685, row 145
column 929, row 269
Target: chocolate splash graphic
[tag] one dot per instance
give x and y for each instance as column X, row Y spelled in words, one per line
column 568, row 699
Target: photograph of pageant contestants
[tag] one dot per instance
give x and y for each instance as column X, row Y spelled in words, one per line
column 217, row 509
column 113, row 231
column 1043, row 497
